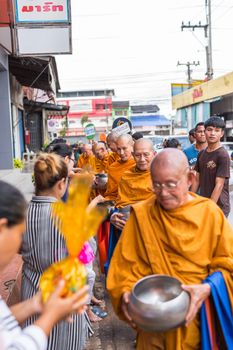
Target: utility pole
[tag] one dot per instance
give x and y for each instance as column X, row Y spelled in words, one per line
column 189, row 71
column 208, row 36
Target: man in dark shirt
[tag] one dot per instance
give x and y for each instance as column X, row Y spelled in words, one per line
column 213, row 166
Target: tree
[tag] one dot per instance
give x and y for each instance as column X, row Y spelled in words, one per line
column 64, row 124
column 84, row 119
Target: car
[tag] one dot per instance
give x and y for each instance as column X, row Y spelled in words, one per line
column 228, row 146
column 159, row 139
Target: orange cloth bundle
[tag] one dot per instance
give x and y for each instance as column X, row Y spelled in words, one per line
column 78, row 223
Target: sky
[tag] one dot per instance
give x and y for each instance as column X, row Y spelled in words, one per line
column 133, row 46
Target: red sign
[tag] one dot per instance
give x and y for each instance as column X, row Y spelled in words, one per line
column 4, row 13
column 198, row 92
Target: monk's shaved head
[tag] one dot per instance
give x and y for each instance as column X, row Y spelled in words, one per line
column 111, row 141
column 145, row 143
column 170, row 157
column 125, row 147
column 143, row 153
column 87, row 150
column 101, row 150
column 87, row 146
column 112, row 137
column 171, row 178
column 125, row 138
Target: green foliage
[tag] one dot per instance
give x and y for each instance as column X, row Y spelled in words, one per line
column 18, row 164
column 64, row 129
column 84, row 119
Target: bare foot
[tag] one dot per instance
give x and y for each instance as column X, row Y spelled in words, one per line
column 92, row 316
column 96, row 301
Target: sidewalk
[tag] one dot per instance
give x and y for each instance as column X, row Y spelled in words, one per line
column 21, row 179
column 110, row 333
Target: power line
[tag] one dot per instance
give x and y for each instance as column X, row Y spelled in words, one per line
column 207, row 30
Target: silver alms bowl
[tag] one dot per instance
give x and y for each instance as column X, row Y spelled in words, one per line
column 158, row 303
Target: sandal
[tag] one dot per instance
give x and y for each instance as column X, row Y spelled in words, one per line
column 98, row 312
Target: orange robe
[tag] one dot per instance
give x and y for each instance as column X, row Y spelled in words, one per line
column 135, row 186
column 113, row 157
column 102, row 165
column 188, row 243
column 115, row 172
column 84, row 162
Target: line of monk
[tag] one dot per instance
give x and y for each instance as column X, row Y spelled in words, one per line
column 170, row 231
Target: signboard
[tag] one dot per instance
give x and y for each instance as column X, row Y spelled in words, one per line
column 89, row 131
column 78, row 106
column 52, row 125
column 40, row 11
column 177, row 88
column 43, row 40
column 121, row 130
column 42, row 27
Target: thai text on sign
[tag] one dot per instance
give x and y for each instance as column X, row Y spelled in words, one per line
column 33, row 11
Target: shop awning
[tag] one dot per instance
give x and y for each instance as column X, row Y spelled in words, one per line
column 51, row 109
column 35, row 72
column 152, row 120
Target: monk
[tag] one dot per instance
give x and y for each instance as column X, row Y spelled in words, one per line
column 176, row 233
column 117, row 169
column 102, row 158
column 115, row 172
column 87, row 158
column 111, row 142
column 135, row 184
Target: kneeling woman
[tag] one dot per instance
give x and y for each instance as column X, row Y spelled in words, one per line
column 43, row 245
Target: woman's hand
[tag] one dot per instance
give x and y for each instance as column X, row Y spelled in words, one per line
column 61, row 307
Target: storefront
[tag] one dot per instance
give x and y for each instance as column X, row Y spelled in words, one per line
column 214, row 97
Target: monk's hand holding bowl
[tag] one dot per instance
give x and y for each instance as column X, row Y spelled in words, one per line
column 124, row 307
column 198, row 294
column 118, row 220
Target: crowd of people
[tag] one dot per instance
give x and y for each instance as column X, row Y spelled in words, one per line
column 167, row 214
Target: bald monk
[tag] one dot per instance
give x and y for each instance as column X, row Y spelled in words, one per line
column 117, row 169
column 135, row 184
column 102, row 157
column 87, row 158
column 179, row 234
column 111, row 142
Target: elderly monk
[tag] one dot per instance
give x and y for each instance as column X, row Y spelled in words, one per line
column 111, row 142
column 102, row 157
column 135, row 184
column 87, row 158
column 117, row 169
column 180, row 234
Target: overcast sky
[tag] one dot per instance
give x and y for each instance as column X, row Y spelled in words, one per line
column 133, row 46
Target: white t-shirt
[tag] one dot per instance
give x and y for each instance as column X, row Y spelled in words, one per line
column 12, row 337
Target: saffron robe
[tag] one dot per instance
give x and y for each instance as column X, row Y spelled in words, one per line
column 188, row 243
column 134, row 186
column 85, row 162
column 101, row 166
column 115, row 172
column 113, row 157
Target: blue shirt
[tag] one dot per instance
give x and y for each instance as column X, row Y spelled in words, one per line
column 191, row 153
